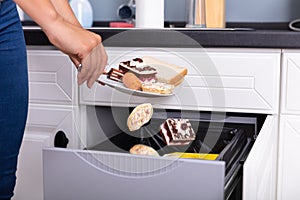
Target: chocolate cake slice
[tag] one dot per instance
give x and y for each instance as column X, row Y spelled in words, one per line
column 177, row 131
column 137, row 66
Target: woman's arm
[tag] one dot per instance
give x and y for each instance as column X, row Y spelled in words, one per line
column 61, row 28
column 64, row 9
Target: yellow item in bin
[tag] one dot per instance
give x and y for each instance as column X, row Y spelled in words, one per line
column 202, row 156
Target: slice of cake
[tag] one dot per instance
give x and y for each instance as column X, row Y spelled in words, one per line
column 177, row 131
column 137, row 66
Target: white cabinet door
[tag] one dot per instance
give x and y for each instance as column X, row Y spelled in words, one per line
column 259, row 181
column 289, row 151
column 29, row 172
column 289, row 158
column 235, row 80
column 42, row 125
column 290, row 82
column 51, row 78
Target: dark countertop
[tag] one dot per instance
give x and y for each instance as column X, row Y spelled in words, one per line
column 246, row 36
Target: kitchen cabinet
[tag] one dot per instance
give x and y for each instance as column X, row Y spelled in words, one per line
column 51, row 78
column 260, row 169
column 289, row 151
column 52, row 108
column 242, row 80
column 230, row 80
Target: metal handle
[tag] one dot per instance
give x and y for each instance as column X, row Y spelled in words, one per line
column 196, row 13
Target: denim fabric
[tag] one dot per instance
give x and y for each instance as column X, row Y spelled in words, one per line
column 13, row 95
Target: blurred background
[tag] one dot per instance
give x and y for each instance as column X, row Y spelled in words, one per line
column 236, row 10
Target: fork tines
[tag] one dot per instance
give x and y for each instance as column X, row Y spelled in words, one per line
column 115, row 74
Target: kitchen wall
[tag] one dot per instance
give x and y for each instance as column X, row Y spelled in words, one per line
column 236, row 10
column 262, row 10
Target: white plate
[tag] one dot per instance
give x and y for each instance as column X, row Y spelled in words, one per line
column 120, row 87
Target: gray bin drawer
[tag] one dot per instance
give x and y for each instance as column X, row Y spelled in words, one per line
column 93, row 175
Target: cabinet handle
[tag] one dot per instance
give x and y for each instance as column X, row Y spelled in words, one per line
column 61, row 140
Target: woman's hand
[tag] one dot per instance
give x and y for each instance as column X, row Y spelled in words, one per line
column 93, row 66
column 59, row 23
column 83, row 47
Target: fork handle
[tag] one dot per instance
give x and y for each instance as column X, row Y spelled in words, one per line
column 100, row 82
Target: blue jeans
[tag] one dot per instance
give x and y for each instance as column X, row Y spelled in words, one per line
column 13, row 95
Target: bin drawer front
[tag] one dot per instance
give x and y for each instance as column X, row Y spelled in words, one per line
column 78, row 174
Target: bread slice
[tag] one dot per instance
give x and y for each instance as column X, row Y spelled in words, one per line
column 139, row 116
column 131, row 81
column 166, row 72
column 159, row 88
column 141, row 149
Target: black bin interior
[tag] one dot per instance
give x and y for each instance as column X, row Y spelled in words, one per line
column 226, row 139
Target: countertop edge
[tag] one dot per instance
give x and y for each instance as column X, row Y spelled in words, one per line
column 34, row 36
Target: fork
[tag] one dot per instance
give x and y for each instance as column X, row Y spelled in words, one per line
column 112, row 74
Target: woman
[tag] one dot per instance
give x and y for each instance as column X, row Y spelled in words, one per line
column 58, row 22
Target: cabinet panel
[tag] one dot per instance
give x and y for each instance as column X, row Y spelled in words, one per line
column 235, row 80
column 290, row 82
column 289, row 154
column 260, row 168
column 50, row 119
column 29, row 173
column 42, row 125
column 51, row 77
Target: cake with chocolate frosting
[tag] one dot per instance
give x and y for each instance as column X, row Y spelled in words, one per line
column 177, row 131
column 137, row 66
